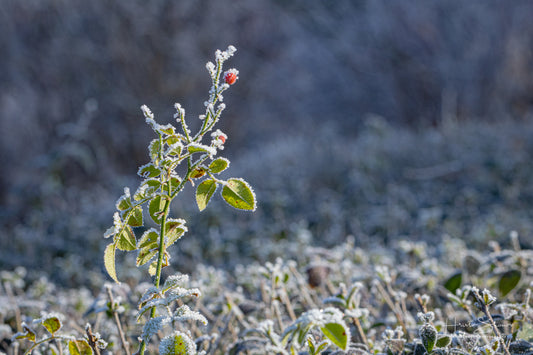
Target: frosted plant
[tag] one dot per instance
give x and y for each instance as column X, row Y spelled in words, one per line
column 329, row 321
column 53, row 339
column 177, row 157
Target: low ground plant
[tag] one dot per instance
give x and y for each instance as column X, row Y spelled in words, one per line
column 405, row 297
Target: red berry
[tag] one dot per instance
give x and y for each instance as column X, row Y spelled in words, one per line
column 230, row 77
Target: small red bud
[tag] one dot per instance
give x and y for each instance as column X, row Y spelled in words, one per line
column 222, row 138
column 230, row 77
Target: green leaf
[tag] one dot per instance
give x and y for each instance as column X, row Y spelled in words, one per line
column 124, row 203
column 200, row 148
column 27, row 334
column 454, row 281
column 204, row 192
column 148, row 171
column 177, row 344
column 126, row 239
column 197, row 173
column 218, row 165
column 526, row 332
column 428, row 335
column 52, row 324
column 147, row 188
column 149, row 239
column 145, row 255
column 443, row 341
column 508, row 281
column 156, row 207
column 302, row 332
column 237, row 193
column 109, row 261
column 152, row 268
column 79, row 347
column 175, row 228
column 167, row 129
column 154, row 148
column 338, row 333
column 136, row 217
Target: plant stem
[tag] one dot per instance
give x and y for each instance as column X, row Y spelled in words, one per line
column 161, row 254
column 117, row 321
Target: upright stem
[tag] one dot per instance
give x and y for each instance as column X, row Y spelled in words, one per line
column 161, row 254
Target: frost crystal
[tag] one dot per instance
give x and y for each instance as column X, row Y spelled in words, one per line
column 147, row 113
column 185, row 313
column 180, row 112
column 153, row 326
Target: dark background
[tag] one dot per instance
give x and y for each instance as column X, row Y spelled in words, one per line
column 315, row 76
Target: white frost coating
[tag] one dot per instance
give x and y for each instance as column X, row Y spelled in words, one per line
column 109, row 232
column 176, row 280
column 180, row 111
column 117, row 222
column 153, row 326
column 149, row 293
column 219, row 138
column 205, row 148
column 185, row 313
column 168, row 344
column 210, row 66
column 147, row 113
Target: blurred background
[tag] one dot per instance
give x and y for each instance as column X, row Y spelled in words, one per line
column 377, row 119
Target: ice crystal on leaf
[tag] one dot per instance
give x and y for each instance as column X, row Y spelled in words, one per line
column 177, row 343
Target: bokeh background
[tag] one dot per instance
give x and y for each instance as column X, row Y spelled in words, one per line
column 377, row 119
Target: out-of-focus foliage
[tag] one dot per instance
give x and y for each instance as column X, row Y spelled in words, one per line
column 73, row 74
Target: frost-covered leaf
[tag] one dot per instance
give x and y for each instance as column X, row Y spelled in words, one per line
column 109, row 261
column 167, row 129
column 177, row 343
column 175, row 146
column 154, row 149
column 152, row 268
column 508, row 281
column 237, row 193
column 198, row 172
column 156, row 207
column 136, row 217
column 124, row 203
column 152, row 326
column 145, row 255
column 149, row 294
column 109, row 232
column 338, row 333
column 126, row 239
column 302, row 332
column 175, row 281
column 147, row 188
column 218, row 165
column 443, row 341
column 52, row 324
column 79, row 347
column 526, row 332
column 27, row 333
column 175, row 228
column 148, row 171
column 185, row 313
column 204, row 192
column 200, row 148
column 148, row 239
